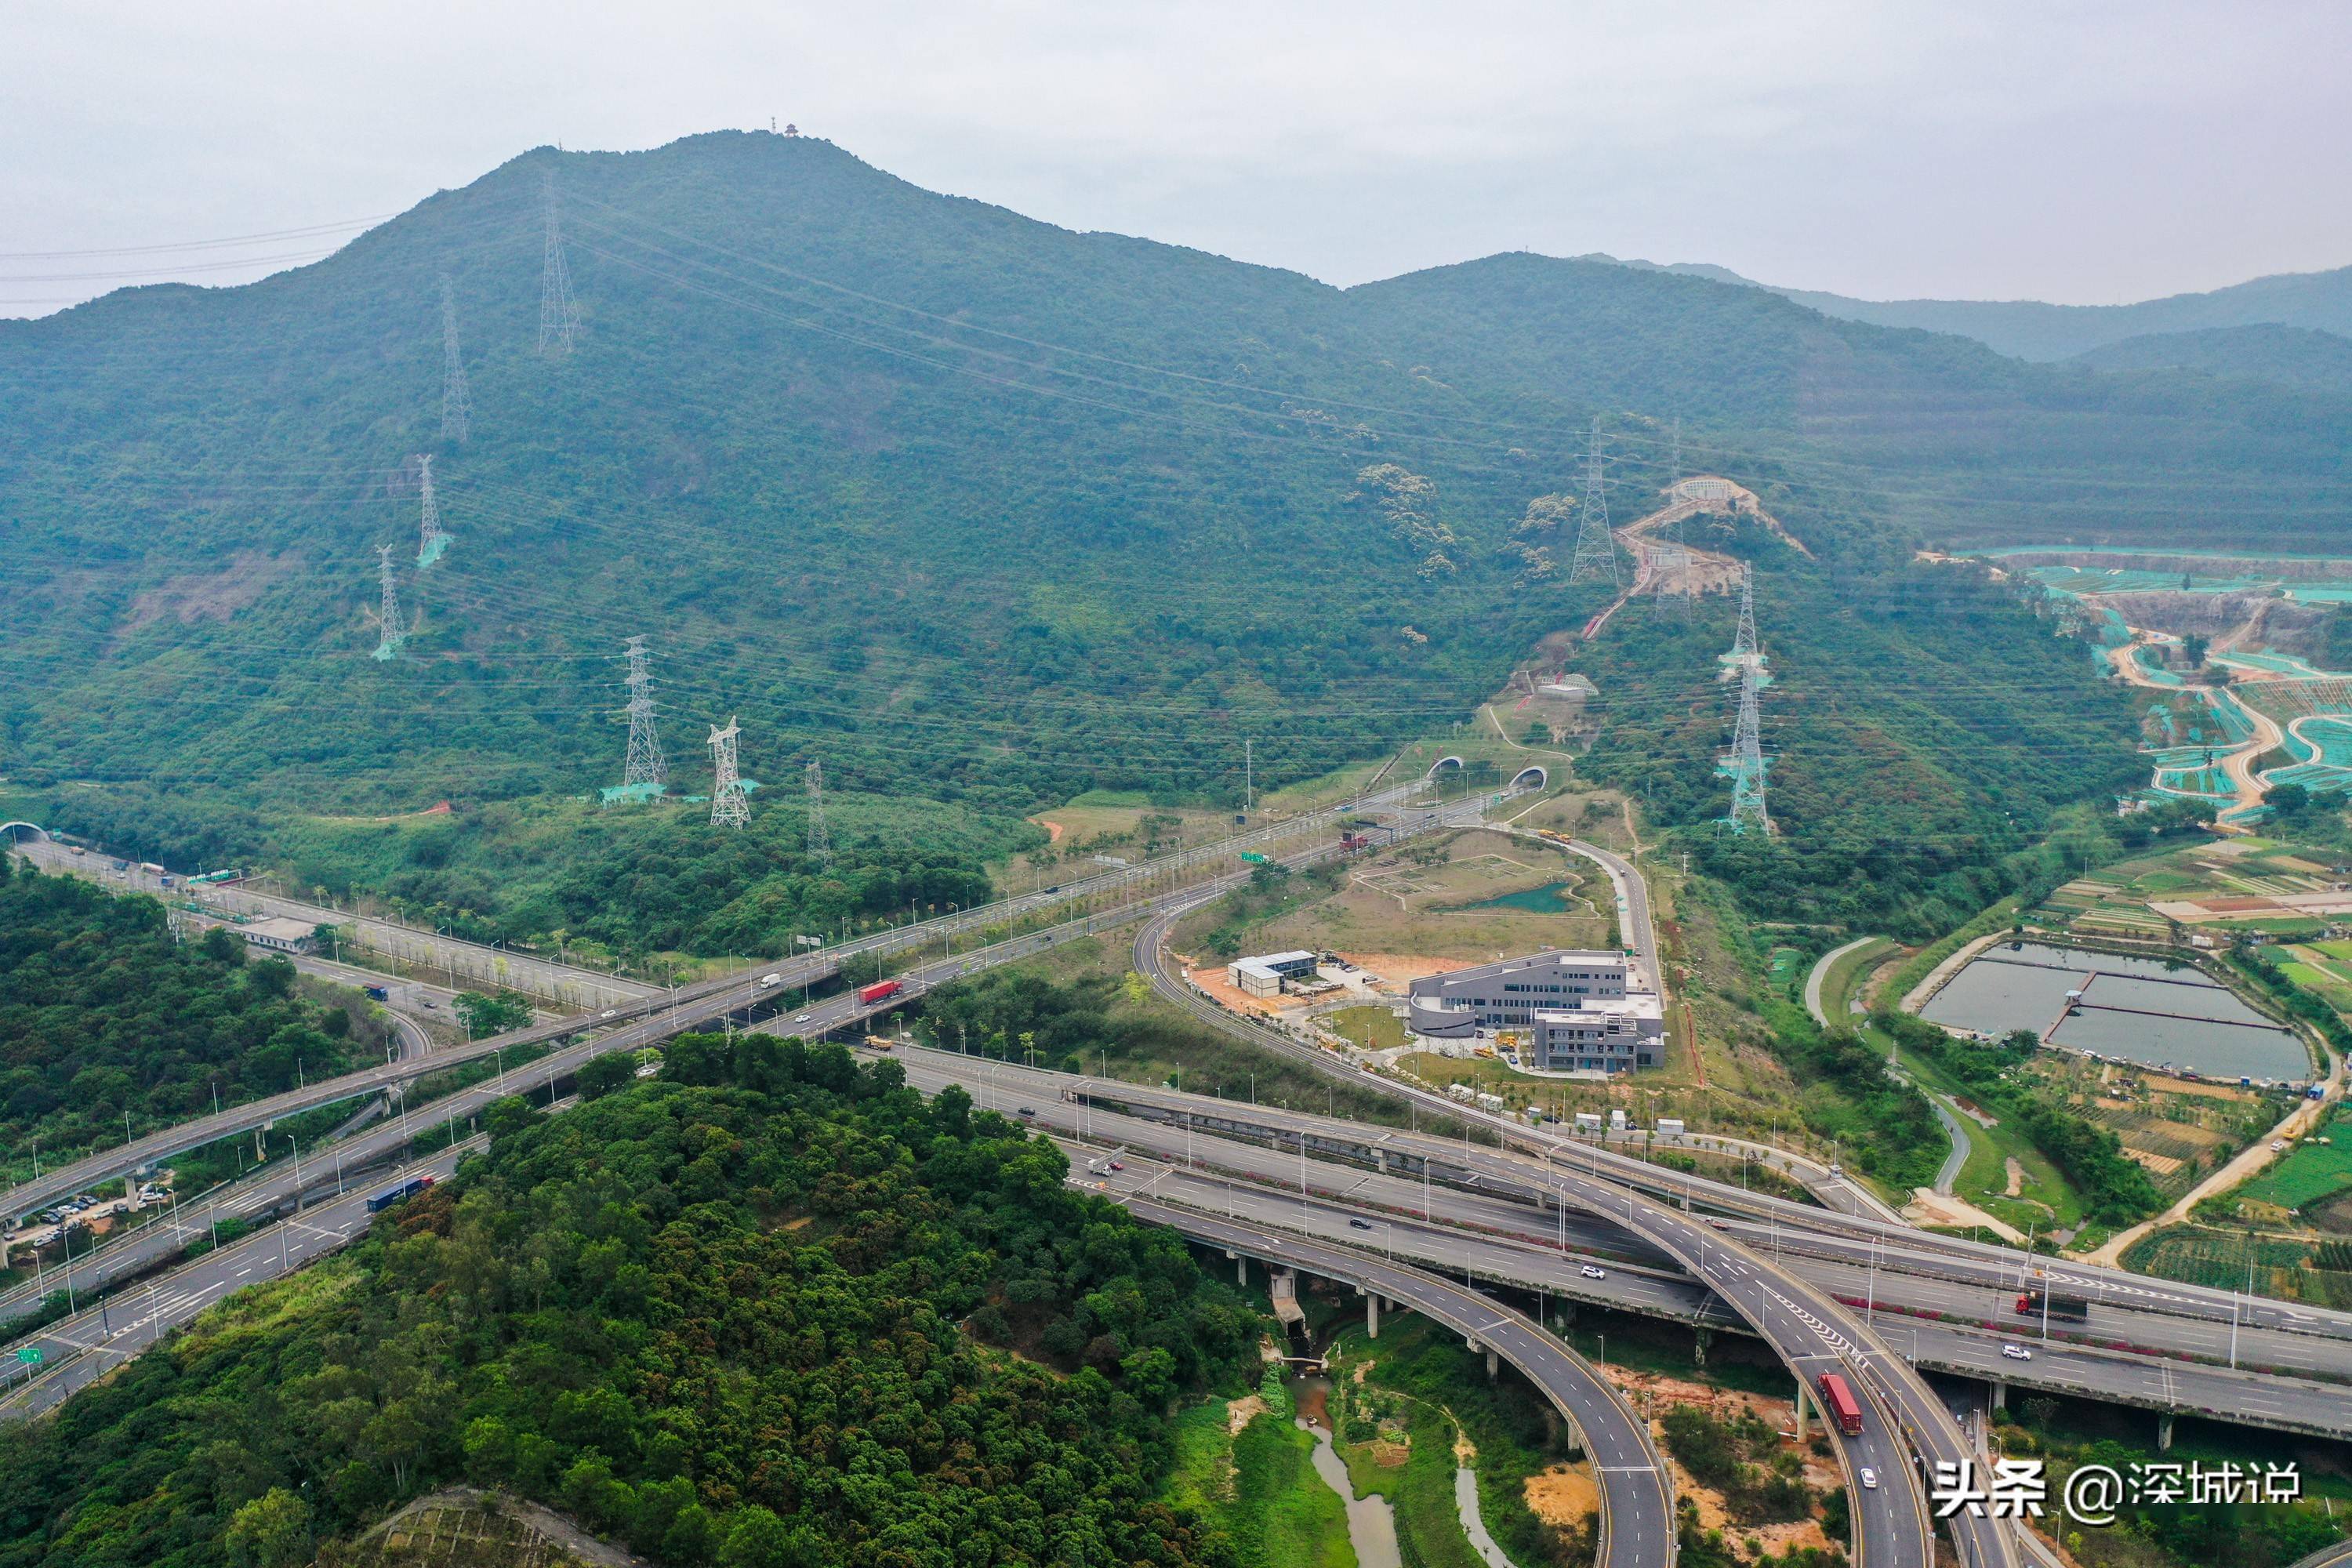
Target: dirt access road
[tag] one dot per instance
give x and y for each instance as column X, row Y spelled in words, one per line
column 2237, row 767
column 1662, row 568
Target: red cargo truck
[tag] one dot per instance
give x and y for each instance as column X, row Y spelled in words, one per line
column 1840, row 1401
column 880, row 991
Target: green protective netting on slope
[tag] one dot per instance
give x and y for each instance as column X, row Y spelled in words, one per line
column 2210, row 784
column 2330, row 741
column 2237, row 727
column 2155, row 674
column 2316, row 777
column 2280, row 663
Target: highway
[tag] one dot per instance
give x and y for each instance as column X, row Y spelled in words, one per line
column 636, row 1021
column 1851, row 1221
column 630, row 1027
column 2136, row 1315
column 1636, row 1495
column 83, row 1348
column 1810, row 1332
column 1802, row 1318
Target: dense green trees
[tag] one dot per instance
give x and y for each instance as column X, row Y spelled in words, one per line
column 1923, row 727
column 771, row 1310
column 101, row 1013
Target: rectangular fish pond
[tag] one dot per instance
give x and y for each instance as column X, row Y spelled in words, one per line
column 2136, row 1009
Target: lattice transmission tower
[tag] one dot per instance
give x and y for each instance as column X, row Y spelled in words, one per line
column 457, row 401
column 432, row 544
column 559, row 313
column 1747, row 762
column 820, row 841
column 1596, row 548
column 644, row 770
column 730, row 805
column 392, row 637
column 1743, row 647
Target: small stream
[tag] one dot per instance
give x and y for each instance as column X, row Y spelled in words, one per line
column 1371, row 1521
column 1474, row 1523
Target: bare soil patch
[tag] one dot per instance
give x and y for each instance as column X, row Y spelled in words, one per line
column 1563, row 1497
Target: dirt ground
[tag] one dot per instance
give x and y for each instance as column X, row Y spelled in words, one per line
column 1239, row 1413
column 2160, row 1084
column 1213, row 979
column 1929, row 1206
column 1563, row 1496
column 1395, row 971
column 1822, row 1476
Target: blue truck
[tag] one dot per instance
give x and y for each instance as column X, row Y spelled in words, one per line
column 409, row 1189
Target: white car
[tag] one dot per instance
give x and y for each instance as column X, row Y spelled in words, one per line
column 1590, row 1272
column 2278, row 1145
column 802, row 1020
column 2017, row 1353
column 1869, row 1479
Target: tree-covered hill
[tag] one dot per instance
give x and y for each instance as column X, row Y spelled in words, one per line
column 2288, row 356
column 773, row 1311
column 103, row 1014
column 973, row 508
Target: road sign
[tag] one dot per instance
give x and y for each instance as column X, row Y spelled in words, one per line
column 30, row 1355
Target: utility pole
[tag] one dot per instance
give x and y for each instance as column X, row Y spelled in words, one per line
column 1248, row 777
column 1596, row 550
column 644, row 765
column 457, row 402
column 432, row 542
column 730, row 807
column 819, row 842
column 559, row 313
column 387, row 617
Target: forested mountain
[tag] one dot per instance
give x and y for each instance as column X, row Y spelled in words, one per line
column 2032, row 330
column 775, row 1310
column 2289, row 356
column 971, row 507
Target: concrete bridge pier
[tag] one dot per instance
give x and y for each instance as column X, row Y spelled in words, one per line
column 1804, row 1402
column 1493, row 1366
column 1241, row 1267
column 1999, row 1394
column 2164, row 1433
column 1371, row 1314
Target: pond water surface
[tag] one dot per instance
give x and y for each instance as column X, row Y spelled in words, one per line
column 2137, row 1009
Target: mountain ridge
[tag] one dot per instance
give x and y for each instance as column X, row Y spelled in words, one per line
column 2036, row 331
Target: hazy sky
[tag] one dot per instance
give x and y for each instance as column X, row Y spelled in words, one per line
column 2081, row 152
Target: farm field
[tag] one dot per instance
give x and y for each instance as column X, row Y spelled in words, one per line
column 2209, row 885
column 2284, row 1269
column 2311, row 1172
